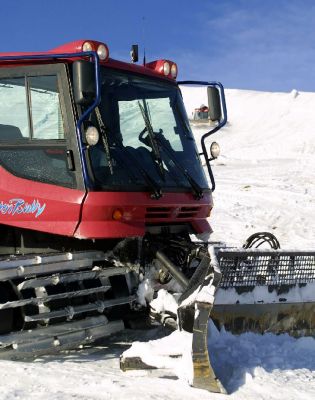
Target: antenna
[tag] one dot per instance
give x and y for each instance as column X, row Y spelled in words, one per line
column 143, row 39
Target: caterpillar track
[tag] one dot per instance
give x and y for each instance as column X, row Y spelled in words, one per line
column 57, row 301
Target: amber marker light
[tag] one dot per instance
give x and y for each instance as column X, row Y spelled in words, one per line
column 117, row 214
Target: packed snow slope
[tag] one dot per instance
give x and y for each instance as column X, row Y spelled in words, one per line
column 265, row 181
column 265, row 176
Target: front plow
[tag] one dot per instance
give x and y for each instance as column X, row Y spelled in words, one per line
column 241, row 290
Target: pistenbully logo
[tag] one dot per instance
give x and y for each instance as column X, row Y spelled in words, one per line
column 20, row 206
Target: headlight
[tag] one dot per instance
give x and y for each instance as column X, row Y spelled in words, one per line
column 166, row 68
column 214, row 150
column 87, row 46
column 102, row 52
column 174, row 71
column 92, row 136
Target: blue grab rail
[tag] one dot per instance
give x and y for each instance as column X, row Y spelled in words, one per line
column 216, row 128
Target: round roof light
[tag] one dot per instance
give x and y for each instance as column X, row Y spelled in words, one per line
column 174, row 71
column 87, row 46
column 92, row 135
column 214, row 150
column 166, row 68
column 102, row 52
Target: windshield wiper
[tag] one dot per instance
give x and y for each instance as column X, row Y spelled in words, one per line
column 105, row 140
column 196, row 188
column 157, row 192
column 152, row 139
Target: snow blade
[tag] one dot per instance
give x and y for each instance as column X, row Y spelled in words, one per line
column 194, row 309
column 266, row 291
column 200, row 294
column 204, row 375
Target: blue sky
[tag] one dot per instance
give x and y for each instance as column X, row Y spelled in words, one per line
column 248, row 44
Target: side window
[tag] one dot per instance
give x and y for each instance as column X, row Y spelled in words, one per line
column 45, row 108
column 14, row 122
column 32, row 136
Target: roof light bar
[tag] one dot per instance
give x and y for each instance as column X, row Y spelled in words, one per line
column 84, row 46
column 164, row 67
column 100, row 48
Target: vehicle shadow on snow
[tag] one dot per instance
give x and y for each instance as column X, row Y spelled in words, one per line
column 108, row 348
column 237, row 359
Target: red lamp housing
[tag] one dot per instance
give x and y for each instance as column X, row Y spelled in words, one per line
column 164, row 67
column 85, row 45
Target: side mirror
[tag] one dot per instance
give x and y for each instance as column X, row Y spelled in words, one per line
column 84, row 85
column 214, row 103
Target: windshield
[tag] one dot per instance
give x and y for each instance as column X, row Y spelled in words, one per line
column 147, row 140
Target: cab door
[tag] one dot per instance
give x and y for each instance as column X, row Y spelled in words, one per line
column 41, row 184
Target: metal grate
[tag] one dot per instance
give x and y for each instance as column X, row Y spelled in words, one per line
column 247, row 268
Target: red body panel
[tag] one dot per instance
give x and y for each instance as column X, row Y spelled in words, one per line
column 58, row 210
column 39, row 206
column 54, row 209
column 139, row 209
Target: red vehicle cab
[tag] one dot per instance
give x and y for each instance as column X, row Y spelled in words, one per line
column 96, row 148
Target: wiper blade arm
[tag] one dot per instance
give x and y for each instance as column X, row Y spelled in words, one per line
column 157, row 191
column 196, row 188
column 153, row 144
column 105, row 140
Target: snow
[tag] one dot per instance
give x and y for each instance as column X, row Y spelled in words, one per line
column 164, row 301
column 249, row 366
column 265, row 181
column 265, row 366
column 265, row 177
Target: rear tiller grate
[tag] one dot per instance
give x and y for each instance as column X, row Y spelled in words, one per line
column 241, row 268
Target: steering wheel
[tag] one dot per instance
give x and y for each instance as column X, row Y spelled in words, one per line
column 144, row 139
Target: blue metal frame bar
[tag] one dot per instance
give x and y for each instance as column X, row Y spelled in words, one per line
column 216, row 128
column 95, row 59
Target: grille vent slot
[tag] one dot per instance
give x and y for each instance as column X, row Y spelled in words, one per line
column 171, row 212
